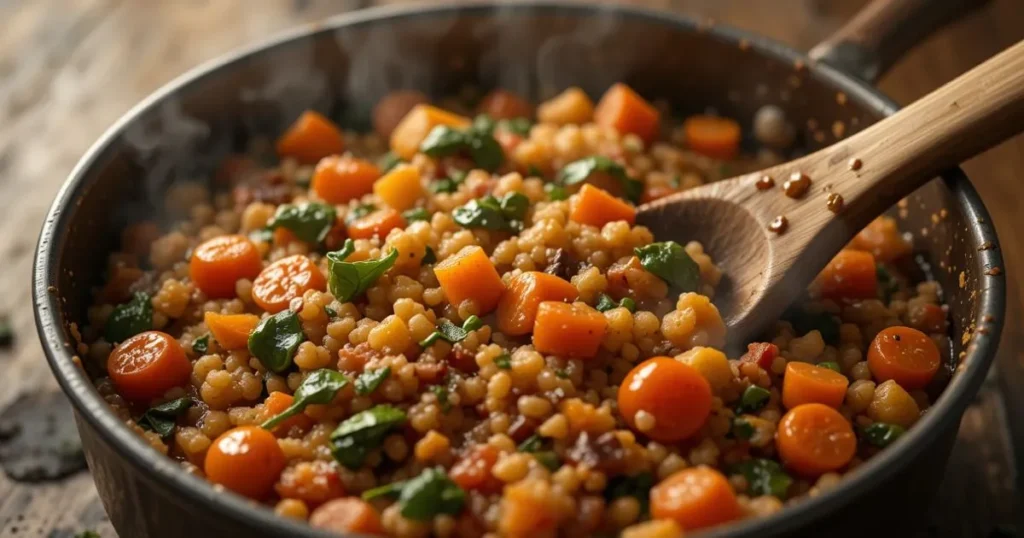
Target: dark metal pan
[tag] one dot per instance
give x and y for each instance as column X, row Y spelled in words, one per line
column 345, row 64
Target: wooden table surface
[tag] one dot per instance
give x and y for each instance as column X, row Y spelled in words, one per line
column 70, row 68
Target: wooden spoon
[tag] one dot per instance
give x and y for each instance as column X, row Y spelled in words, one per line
column 766, row 271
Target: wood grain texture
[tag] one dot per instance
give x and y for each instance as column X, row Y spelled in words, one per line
column 70, row 68
column 895, row 157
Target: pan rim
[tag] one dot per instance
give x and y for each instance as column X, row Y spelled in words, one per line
column 167, row 475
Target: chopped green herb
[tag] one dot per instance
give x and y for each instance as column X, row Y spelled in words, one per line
column 388, row 161
column 451, row 332
column 742, row 429
column 369, row 380
column 753, row 399
column 533, row 171
column 449, row 184
column 549, row 459
column 201, row 345
column 416, row 214
column 481, row 147
column 804, row 322
column 441, row 392
column 346, row 280
column 129, row 319
column 503, row 361
column 88, row 534
column 531, row 444
column 638, row 486
column 319, row 387
column 162, row 418
column 670, row 262
column 562, row 373
column 483, row 123
column 354, row 438
column 359, row 212
column 556, row 192
column 881, row 434
column 764, row 477
column 331, row 313
column 831, row 365
column 430, row 257
column 578, row 172
column 606, row 303
column 490, row 213
column 309, row 221
column 275, row 340
column 427, row 495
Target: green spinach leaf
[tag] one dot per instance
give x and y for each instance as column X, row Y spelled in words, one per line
column 319, row 387
column 388, row 161
column 424, row 496
column 370, row 380
column 347, row 280
column 578, row 172
column 481, row 147
column 753, row 399
column 638, row 486
column 162, row 418
column 310, row 221
column 359, row 212
column 129, row 319
column 354, row 438
column 275, row 340
column 741, row 428
column 606, row 303
column 503, row 361
column 416, row 214
column 201, row 345
column 670, row 262
column 449, row 184
column 506, row 214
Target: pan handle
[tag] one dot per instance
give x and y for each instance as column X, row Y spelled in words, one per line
column 874, row 39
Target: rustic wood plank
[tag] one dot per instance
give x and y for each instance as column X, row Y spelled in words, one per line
column 69, row 68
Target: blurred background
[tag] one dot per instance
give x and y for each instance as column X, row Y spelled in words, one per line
column 70, row 68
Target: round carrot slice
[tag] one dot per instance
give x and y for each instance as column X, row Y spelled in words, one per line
column 665, row 399
column 695, row 498
column 713, row 136
column 246, row 460
column 347, row 515
column 340, row 179
column 285, row 280
column 905, row 355
column 218, row 263
column 147, row 365
column 807, row 383
column 813, row 439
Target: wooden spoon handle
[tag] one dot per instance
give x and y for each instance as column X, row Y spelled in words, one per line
column 877, row 167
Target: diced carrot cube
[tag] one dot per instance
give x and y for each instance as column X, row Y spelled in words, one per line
column 572, row 106
column 311, row 138
column 340, row 179
column 517, row 309
column 597, row 207
column 570, row 330
column 400, row 188
column 713, row 136
column 852, row 274
column 470, row 275
column 417, row 124
column 627, row 112
column 231, row 330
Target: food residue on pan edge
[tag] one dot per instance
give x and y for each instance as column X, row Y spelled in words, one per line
column 38, row 439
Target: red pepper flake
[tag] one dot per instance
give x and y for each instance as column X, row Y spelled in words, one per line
column 834, row 202
column 779, row 225
column 797, row 185
column 855, row 164
column 764, row 183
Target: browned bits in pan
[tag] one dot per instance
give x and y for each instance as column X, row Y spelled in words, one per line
column 841, row 98
column 838, row 129
column 744, row 44
column 799, row 65
column 993, row 271
column 855, row 164
column 834, row 202
column 797, row 185
column 987, row 245
column 779, row 225
column 764, row 183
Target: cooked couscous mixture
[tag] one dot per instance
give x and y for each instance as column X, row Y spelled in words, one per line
column 452, row 326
